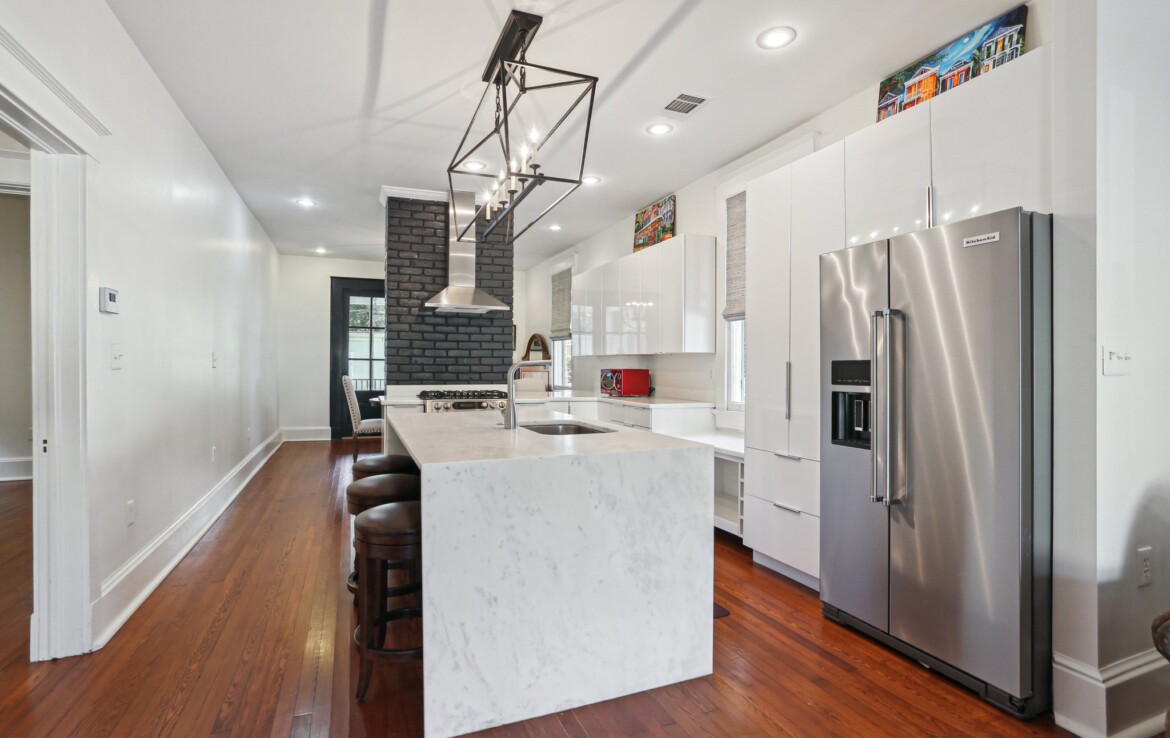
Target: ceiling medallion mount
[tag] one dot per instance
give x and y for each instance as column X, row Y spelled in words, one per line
column 531, row 126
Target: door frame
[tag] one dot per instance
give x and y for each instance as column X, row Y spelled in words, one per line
column 340, row 287
column 61, row 623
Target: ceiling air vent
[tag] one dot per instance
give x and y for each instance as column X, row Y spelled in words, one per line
column 683, row 105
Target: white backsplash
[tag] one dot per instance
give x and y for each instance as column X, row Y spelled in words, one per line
column 678, row 376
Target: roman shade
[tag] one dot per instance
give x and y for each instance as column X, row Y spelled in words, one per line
column 736, row 255
column 562, row 287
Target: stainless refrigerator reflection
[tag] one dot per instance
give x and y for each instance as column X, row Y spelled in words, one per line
column 936, row 517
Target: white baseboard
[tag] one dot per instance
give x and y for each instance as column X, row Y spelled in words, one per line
column 123, row 591
column 16, row 470
column 1125, row 699
column 783, row 569
column 307, row 433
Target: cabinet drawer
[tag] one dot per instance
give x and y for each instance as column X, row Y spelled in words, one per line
column 583, row 410
column 772, row 478
column 638, row 416
column 790, row 538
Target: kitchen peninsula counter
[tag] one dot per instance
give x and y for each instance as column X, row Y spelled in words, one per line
column 558, row 571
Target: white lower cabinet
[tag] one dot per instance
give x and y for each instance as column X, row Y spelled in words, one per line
column 781, row 509
column 583, row 410
column 557, row 406
column 658, row 418
column 793, row 539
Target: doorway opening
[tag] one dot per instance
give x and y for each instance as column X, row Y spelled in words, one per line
column 16, row 402
column 357, row 348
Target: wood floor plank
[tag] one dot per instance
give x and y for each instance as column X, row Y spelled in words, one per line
column 251, row 635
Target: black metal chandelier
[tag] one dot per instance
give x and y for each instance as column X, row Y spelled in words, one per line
column 530, row 151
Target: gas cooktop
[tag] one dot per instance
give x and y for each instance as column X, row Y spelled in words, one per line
column 462, row 395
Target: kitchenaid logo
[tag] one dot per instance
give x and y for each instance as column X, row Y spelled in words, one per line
column 980, row 240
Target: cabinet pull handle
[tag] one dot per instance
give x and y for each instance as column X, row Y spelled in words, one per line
column 788, row 390
column 790, row 457
column 930, row 206
column 789, row 508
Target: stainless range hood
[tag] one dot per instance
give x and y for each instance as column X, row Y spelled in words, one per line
column 461, row 295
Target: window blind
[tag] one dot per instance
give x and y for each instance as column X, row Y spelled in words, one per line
column 562, row 286
column 736, row 255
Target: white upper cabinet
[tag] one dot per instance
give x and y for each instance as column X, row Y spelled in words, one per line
column 818, row 227
column 990, row 141
column 767, row 310
column 660, row 300
column 887, row 173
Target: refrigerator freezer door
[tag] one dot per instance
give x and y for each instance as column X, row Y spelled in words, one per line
column 854, row 530
column 957, row 587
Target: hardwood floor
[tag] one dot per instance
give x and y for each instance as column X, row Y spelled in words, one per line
column 251, row 635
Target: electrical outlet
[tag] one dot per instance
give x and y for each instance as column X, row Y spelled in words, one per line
column 214, row 359
column 249, row 435
column 116, row 356
column 129, row 512
column 1145, row 566
column 213, row 454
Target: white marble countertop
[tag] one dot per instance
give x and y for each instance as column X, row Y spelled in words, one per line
column 451, row 438
column 535, row 398
column 725, row 442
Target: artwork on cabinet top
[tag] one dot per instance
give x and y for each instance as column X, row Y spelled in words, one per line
column 976, row 52
column 654, row 223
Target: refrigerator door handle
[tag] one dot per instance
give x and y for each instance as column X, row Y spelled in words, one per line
column 888, row 432
column 875, row 407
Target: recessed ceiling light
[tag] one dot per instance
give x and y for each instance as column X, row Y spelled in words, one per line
column 305, row 202
column 776, row 38
column 474, row 166
column 554, row 227
column 659, row 129
column 320, row 250
column 592, row 179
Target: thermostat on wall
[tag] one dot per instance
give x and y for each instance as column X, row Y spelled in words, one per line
column 109, row 300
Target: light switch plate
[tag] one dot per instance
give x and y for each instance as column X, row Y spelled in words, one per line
column 108, row 300
column 116, row 356
column 1116, row 360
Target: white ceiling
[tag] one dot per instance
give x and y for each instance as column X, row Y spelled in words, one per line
column 332, row 100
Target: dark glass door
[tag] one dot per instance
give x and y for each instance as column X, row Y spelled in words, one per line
column 357, row 348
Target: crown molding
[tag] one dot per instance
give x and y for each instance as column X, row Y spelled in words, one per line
column 411, row 193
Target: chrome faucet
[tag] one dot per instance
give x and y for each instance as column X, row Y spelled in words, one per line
column 509, row 412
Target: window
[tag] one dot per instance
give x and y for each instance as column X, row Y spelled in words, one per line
column 736, row 361
column 562, row 359
column 365, row 348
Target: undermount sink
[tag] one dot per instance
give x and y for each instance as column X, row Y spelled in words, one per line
column 564, row 429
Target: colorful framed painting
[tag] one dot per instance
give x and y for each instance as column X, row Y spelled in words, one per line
column 654, row 223
column 978, row 52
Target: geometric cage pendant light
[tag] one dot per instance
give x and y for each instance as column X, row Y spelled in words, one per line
column 524, row 150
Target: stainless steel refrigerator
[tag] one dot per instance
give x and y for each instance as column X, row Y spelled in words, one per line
column 936, row 377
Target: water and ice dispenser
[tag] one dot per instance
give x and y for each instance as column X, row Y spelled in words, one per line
column 852, row 416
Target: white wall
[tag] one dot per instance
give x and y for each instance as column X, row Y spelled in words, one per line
column 197, row 276
column 16, row 340
column 304, row 290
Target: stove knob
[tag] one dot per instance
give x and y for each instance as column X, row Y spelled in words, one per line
column 483, row 405
column 446, row 406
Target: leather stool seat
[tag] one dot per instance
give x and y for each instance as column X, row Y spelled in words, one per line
column 387, row 537
column 390, row 525
column 382, row 489
column 384, row 464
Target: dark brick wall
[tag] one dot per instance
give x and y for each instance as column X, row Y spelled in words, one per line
column 425, row 348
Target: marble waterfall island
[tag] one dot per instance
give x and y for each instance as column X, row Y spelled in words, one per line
column 558, row 571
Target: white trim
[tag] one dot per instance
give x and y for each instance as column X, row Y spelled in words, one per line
column 125, row 590
column 1096, row 698
column 307, row 433
column 410, row 193
column 1110, row 675
column 61, row 544
column 16, row 470
column 53, row 84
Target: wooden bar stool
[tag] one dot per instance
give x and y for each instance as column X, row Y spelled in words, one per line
column 371, row 492
column 384, row 464
column 387, row 535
